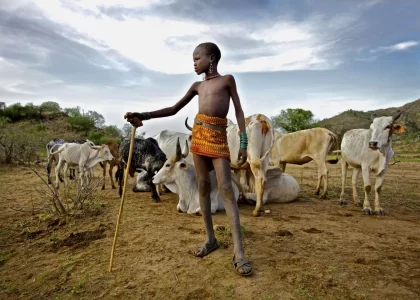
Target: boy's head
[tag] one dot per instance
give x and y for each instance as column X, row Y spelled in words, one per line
column 204, row 55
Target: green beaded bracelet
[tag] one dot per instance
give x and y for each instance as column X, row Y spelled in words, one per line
column 243, row 140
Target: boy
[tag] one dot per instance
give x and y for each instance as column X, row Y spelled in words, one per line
column 209, row 144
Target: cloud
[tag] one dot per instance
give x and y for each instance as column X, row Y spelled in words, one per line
column 33, row 42
column 114, row 56
column 161, row 35
column 396, row 47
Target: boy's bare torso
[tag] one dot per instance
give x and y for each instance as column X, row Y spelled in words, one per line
column 214, row 97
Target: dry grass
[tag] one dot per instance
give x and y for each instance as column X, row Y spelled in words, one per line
column 308, row 249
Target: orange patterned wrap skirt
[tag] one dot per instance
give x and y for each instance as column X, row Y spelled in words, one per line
column 208, row 141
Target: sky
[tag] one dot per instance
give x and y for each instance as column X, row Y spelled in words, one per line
column 114, row 56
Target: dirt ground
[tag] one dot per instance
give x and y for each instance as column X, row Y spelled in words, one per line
column 308, row 249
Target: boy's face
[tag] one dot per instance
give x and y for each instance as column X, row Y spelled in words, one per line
column 201, row 60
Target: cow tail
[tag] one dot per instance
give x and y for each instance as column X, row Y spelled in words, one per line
column 48, row 151
column 334, row 138
column 271, row 145
column 61, row 149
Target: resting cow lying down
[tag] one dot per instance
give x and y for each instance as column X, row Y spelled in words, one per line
column 180, row 177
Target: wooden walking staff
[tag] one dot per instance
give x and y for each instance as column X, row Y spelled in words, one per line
column 130, row 156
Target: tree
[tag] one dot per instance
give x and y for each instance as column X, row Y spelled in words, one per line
column 112, row 131
column 126, row 132
column 294, row 119
column 73, row 112
column 82, row 123
column 49, row 107
column 97, row 118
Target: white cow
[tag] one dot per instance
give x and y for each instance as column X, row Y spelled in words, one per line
column 167, row 140
column 260, row 132
column 279, row 188
column 52, row 146
column 368, row 150
column 301, row 147
column 84, row 156
column 180, row 177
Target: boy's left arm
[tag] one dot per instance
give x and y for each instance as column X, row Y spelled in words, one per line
column 240, row 117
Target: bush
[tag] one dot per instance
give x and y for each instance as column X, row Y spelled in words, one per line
column 20, row 145
column 17, row 112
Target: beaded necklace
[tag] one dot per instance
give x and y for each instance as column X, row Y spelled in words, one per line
column 211, row 77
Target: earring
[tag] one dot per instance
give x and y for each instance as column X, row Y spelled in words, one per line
column 211, row 68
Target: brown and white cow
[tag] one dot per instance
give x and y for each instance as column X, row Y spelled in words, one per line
column 368, row 150
column 301, row 147
column 260, row 133
column 113, row 147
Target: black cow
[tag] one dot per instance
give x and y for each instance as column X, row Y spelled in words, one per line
column 147, row 156
column 53, row 145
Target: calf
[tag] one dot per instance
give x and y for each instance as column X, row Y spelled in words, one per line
column 147, row 156
column 180, row 177
column 113, row 147
column 84, row 156
column 368, row 150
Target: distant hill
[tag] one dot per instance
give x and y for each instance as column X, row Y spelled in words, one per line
column 352, row 119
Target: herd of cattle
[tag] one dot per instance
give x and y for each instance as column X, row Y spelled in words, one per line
column 161, row 161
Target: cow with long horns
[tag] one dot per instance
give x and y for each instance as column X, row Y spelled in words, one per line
column 368, row 150
column 180, row 176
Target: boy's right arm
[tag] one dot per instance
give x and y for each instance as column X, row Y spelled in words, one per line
column 135, row 117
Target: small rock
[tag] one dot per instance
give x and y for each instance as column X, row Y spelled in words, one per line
column 330, row 283
column 312, row 230
column 217, row 227
column 130, row 286
column 267, row 211
column 360, row 261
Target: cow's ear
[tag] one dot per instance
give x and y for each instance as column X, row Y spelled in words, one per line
column 183, row 165
column 398, row 128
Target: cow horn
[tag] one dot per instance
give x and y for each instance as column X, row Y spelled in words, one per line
column 396, row 116
column 186, row 124
column 245, row 165
column 186, row 150
column 372, row 116
column 178, row 153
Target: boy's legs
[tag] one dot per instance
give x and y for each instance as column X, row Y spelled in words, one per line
column 201, row 164
column 222, row 169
